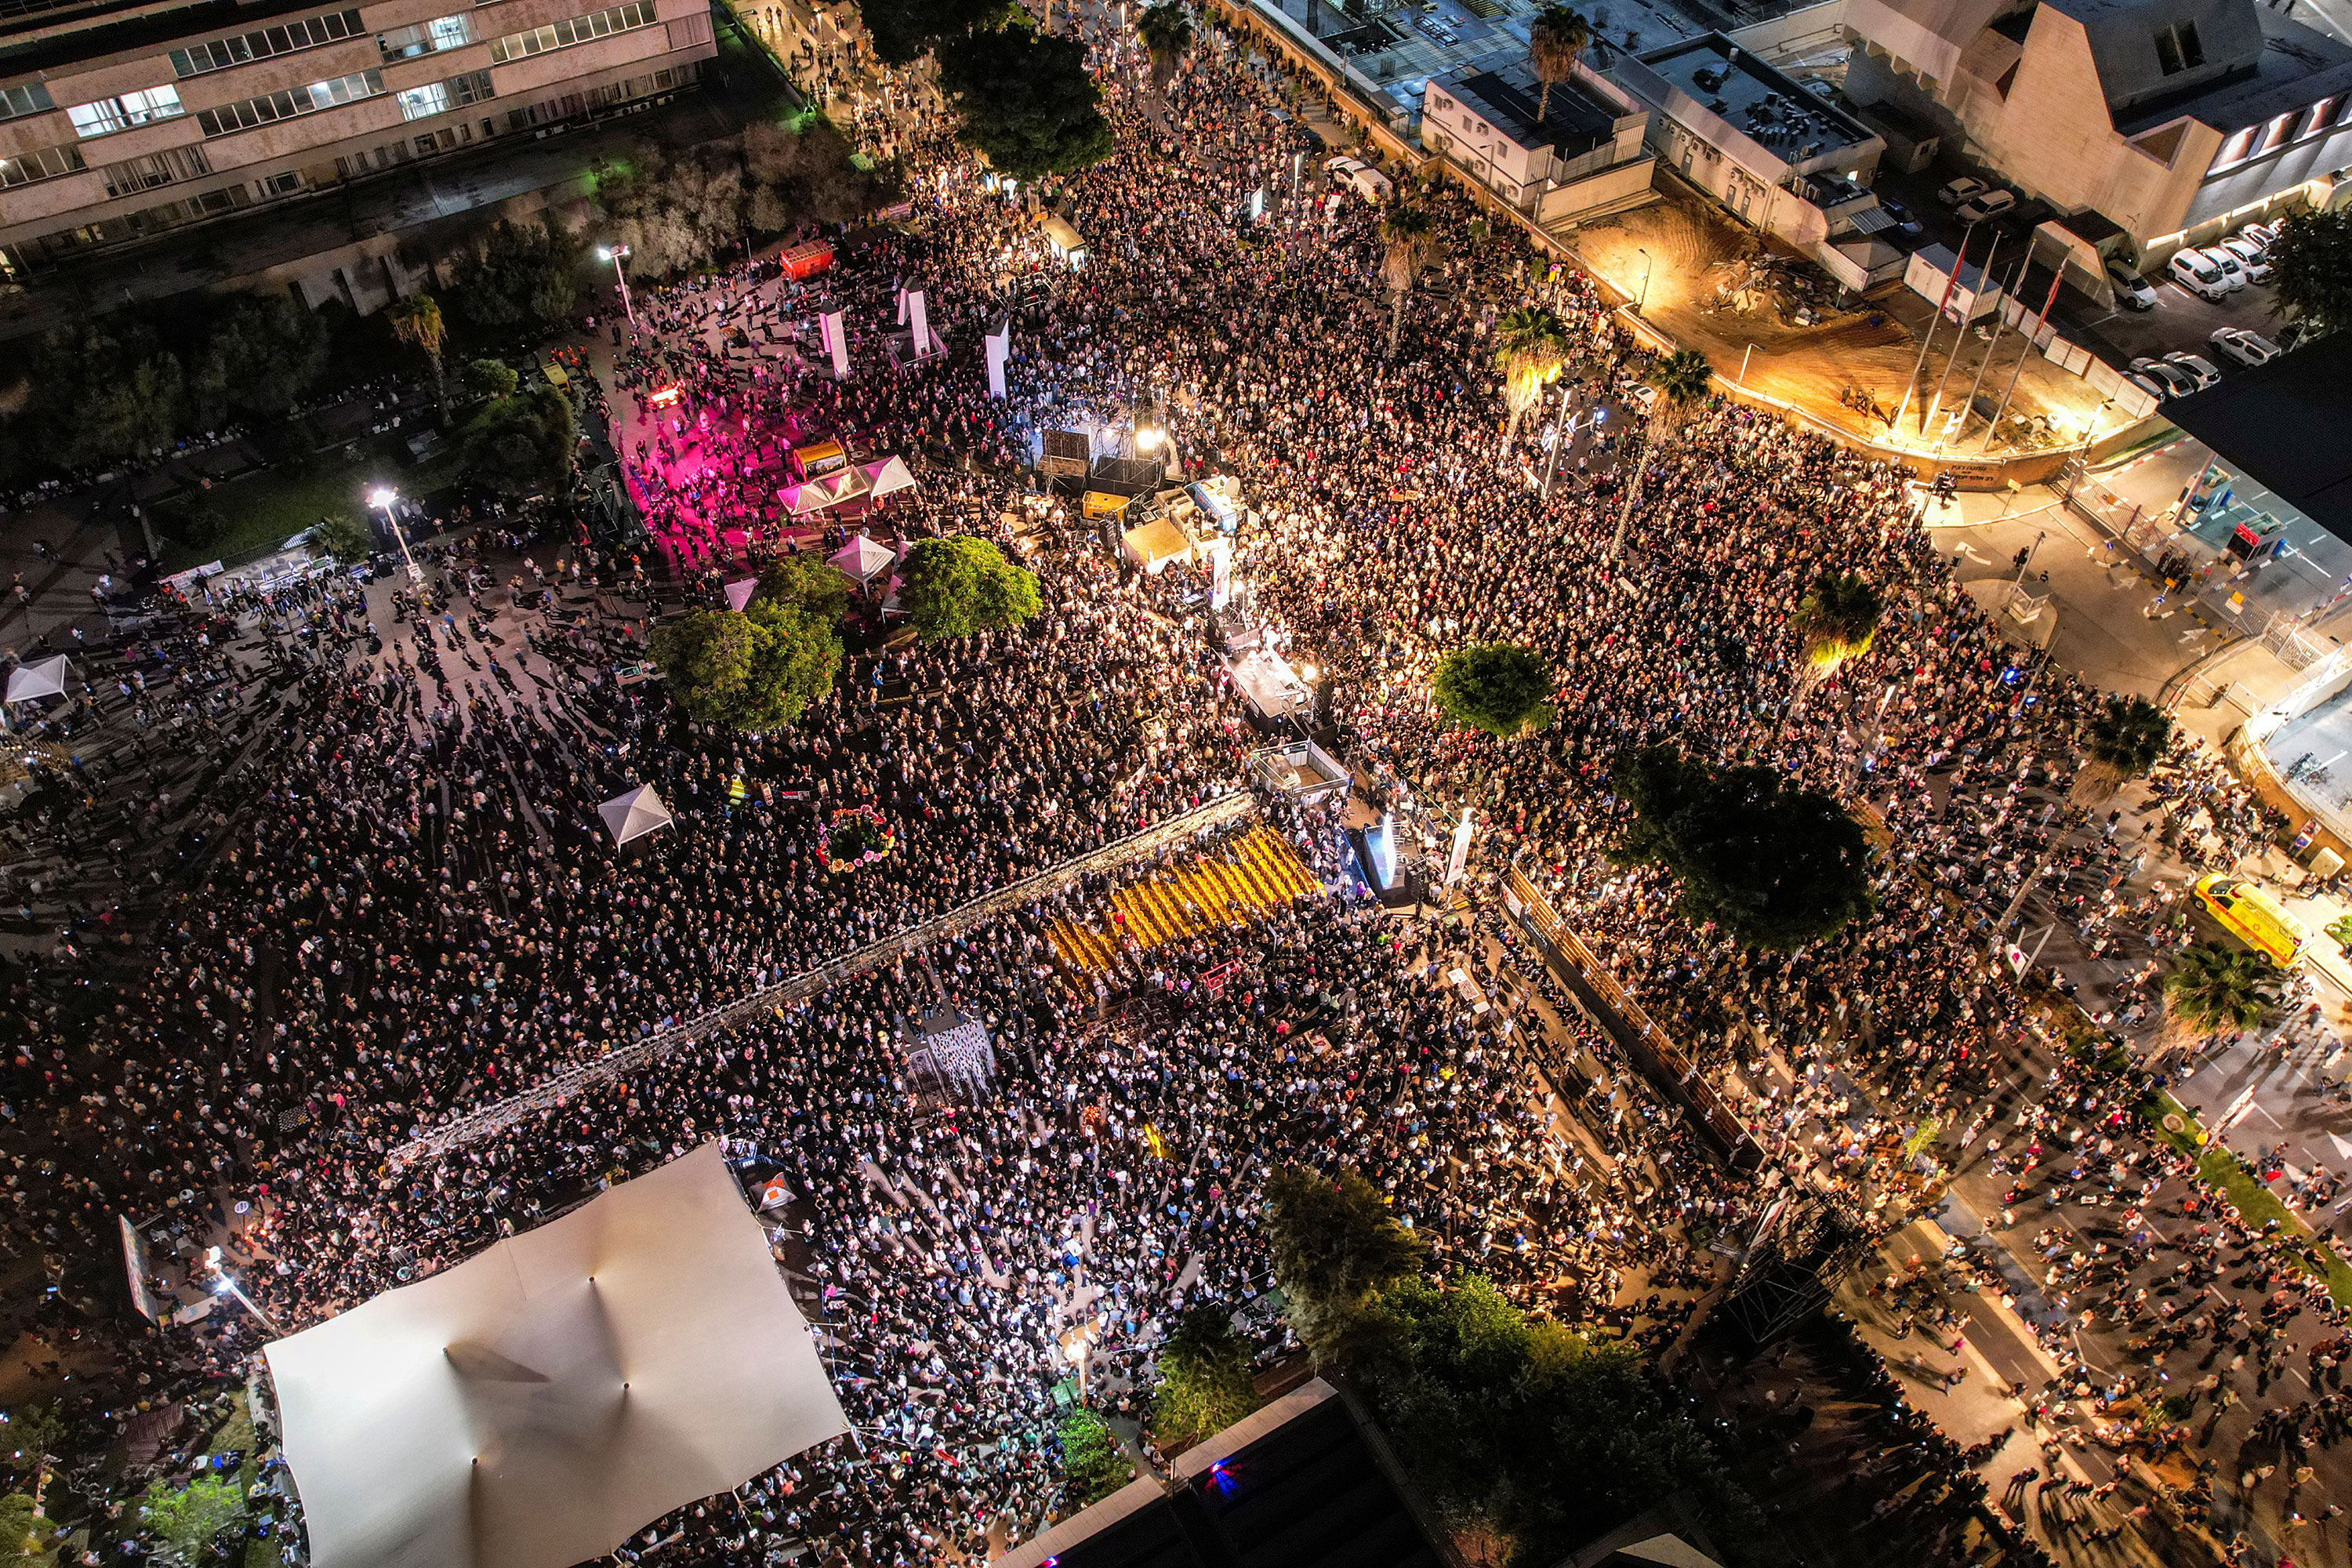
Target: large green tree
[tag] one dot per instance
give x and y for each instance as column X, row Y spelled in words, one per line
column 1334, row 1243
column 1774, row 866
column 108, row 389
column 1166, row 32
column 261, row 353
column 755, row 671
column 1409, row 243
column 1498, row 687
column 1094, row 1466
column 1204, row 1379
column 2212, row 987
column 416, row 322
column 22, row 1533
column 525, row 444
column 520, row 275
column 953, row 587
column 1027, row 102
column 1531, row 348
column 186, row 1518
column 2312, row 268
column 808, row 581
column 1682, row 380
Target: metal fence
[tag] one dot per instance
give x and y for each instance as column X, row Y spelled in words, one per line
column 490, row 1120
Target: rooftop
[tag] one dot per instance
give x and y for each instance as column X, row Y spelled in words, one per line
column 2295, row 66
column 1755, row 97
column 1572, row 121
column 2283, row 425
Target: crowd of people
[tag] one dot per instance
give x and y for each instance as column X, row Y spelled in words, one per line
column 418, row 913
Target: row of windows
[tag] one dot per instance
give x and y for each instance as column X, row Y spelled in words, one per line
column 135, row 175
column 2328, row 114
column 31, row 98
column 219, row 54
column 46, row 163
column 572, row 30
column 427, row 38
column 108, row 115
column 286, row 105
column 441, row 97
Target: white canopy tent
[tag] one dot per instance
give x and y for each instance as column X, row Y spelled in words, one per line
column 804, row 501
column 863, row 559
column 887, row 476
column 740, row 594
column 633, row 814
column 539, row 1403
column 42, row 677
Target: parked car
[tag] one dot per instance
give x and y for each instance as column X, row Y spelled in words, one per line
column 2193, row 272
column 2247, row 348
column 2132, row 291
column 1360, row 177
column 1904, row 222
column 1988, row 204
column 2200, row 371
column 2250, row 255
column 2145, row 385
column 2262, row 234
column 1958, row 191
column 2232, row 270
column 2174, row 381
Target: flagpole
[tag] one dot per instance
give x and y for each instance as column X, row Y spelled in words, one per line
column 2049, row 301
column 1912, row 385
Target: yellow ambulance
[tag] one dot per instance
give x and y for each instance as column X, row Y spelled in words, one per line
column 2254, row 916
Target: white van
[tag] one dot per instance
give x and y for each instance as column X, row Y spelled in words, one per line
column 2193, row 272
column 2232, row 270
column 1362, row 178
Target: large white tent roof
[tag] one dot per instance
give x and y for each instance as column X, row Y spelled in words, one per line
column 42, row 677
column 862, row 558
column 887, row 476
column 633, row 814
column 534, row 1405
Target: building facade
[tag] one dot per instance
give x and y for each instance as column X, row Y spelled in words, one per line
column 118, row 122
column 2174, row 120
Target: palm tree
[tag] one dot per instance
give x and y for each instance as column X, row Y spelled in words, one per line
column 1682, row 379
column 2127, row 737
column 1555, row 41
column 1413, row 244
column 1531, row 348
column 1166, row 30
column 1837, row 620
column 2216, row 987
column 416, row 321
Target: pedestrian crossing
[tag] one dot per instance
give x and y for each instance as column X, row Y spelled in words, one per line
column 1236, row 883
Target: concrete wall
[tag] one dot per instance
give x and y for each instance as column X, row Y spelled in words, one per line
column 1612, row 190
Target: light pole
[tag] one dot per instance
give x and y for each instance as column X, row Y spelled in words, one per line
column 381, row 498
column 223, row 1285
column 1743, row 367
column 617, row 255
column 1648, row 262
column 1560, row 437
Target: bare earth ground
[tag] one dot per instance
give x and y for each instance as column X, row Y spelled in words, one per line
column 1691, row 248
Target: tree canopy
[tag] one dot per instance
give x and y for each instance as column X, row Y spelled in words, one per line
column 2311, row 268
column 1557, row 39
column 1093, row 1464
column 524, row 444
column 1500, row 688
column 1333, row 1242
column 804, row 580
column 492, row 378
column 2212, row 987
column 953, row 587
column 1531, row 348
column 1204, row 1379
column 1774, row 866
column 755, row 671
column 263, row 353
column 2127, row 737
column 108, row 389
column 1027, row 101
column 520, row 275
column 1166, row 30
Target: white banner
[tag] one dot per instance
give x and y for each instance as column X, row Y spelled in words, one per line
column 999, row 349
column 836, row 340
column 1460, row 858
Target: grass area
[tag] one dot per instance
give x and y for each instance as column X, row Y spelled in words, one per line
column 2257, row 1205
column 261, row 510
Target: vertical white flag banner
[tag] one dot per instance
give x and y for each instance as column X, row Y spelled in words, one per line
column 1000, row 350
column 912, row 314
column 1461, row 855
column 836, row 340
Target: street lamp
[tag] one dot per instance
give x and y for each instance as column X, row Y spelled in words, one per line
column 617, row 254
column 381, row 498
column 1560, row 437
column 1648, row 262
column 225, row 1286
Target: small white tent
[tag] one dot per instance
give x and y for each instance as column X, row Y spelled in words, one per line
column 862, row 559
column 887, row 476
column 740, row 594
column 43, row 678
column 633, row 814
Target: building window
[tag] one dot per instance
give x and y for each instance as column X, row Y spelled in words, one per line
column 440, row 97
column 112, row 114
column 318, row 95
column 2177, row 48
column 29, row 97
column 2276, row 131
column 427, row 38
column 2322, row 115
column 2235, row 149
column 238, row 48
column 135, row 175
column 42, row 164
column 572, row 30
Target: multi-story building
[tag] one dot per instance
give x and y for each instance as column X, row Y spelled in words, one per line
column 123, row 118
column 2174, row 120
column 1571, row 156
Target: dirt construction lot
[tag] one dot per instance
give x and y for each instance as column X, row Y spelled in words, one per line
column 1695, row 259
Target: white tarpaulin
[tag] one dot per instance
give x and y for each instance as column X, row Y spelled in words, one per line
column 802, row 500
column 861, row 558
column 887, row 476
column 633, row 814
column 740, row 594
column 536, row 1404
column 42, row 677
